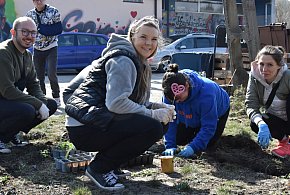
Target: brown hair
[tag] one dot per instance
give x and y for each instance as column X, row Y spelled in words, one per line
column 277, row 53
column 172, row 76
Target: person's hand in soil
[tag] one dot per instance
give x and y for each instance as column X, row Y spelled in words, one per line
column 187, row 152
column 169, row 152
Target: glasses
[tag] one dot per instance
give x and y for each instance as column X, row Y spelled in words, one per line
column 37, row 0
column 27, row 32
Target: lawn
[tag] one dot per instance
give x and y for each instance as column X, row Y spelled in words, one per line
column 236, row 166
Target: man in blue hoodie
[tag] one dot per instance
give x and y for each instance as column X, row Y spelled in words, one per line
column 202, row 108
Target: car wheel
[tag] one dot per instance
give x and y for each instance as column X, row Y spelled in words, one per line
column 164, row 63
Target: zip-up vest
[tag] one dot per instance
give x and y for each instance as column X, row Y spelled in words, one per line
column 87, row 104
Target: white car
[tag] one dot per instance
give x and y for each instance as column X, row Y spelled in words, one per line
column 195, row 42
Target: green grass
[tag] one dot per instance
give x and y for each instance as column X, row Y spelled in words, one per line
column 82, row 191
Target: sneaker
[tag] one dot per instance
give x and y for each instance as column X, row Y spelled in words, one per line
column 122, row 173
column 57, row 102
column 106, row 181
column 17, row 142
column 3, row 148
column 282, row 150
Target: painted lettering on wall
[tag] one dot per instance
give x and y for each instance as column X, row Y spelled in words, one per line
column 73, row 22
column 185, row 23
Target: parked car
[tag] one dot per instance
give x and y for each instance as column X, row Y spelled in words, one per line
column 76, row 50
column 195, row 42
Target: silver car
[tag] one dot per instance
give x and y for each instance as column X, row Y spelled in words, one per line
column 195, row 42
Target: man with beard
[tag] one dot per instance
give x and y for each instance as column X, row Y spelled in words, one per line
column 20, row 111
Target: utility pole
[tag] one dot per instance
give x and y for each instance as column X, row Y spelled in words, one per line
column 240, row 76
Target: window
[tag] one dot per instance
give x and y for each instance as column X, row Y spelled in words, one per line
column 204, row 42
column 133, row 1
column 85, row 40
column 186, row 7
column 66, row 40
column 101, row 41
column 188, row 43
column 211, row 7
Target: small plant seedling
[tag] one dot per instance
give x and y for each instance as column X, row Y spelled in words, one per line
column 4, row 179
column 67, row 146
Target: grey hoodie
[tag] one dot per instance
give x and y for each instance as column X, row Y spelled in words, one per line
column 258, row 92
column 121, row 79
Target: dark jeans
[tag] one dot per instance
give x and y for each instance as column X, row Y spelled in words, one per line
column 16, row 117
column 277, row 126
column 40, row 58
column 126, row 137
column 186, row 134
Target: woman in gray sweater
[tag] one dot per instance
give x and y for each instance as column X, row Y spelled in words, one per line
column 270, row 119
column 110, row 112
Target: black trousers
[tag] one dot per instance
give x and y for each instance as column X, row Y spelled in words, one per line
column 186, row 134
column 17, row 116
column 126, row 137
column 277, row 126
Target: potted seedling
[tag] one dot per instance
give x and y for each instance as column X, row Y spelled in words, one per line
column 62, row 149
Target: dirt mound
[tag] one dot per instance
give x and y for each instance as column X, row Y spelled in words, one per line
column 245, row 152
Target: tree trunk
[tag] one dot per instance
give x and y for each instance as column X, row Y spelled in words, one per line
column 251, row 31
column 234, row 32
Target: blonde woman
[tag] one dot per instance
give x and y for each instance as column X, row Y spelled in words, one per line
column 110, row 111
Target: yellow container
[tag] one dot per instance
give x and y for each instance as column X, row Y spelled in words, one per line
column 167, row 164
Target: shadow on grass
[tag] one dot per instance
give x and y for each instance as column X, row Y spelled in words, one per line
column 146, row 187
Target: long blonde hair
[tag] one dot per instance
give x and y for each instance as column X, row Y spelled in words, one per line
column 145, row 69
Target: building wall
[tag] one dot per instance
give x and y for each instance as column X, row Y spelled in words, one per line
column 95, row 16
column 190, row 21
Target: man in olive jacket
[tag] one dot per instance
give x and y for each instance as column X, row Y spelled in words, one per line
column 20, row 110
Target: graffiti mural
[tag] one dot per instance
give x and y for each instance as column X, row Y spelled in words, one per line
column 185, row 23
column 5, row 23
column 73, row 22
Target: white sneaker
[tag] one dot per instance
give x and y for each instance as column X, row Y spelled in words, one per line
column 4, row 149
column 58, row 103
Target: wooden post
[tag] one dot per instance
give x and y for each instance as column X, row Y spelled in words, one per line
column 234, row 32
column 251, row 29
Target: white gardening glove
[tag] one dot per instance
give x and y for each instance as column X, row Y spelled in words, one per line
column 162, row 105
column 43, row 112
column 163, row 115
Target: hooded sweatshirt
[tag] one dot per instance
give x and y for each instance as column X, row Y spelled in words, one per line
column 258, row 91
column 121, row 79
column 207, row 102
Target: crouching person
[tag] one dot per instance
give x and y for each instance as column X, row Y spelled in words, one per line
column 202, row 108
column 19, row 110
column 109, row 112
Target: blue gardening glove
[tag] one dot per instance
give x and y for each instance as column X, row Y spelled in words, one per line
column 264, row 135
column 187, row 152
column 169, row 152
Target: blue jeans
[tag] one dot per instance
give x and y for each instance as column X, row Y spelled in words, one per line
column 40, row 58
column 126, row 137
column 17, row 116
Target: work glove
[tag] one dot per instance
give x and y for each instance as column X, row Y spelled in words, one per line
column 162, row 105
column 169, row 152
column 187, row 152
column 163, row 115
column 43, row 112
column 264, row 135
